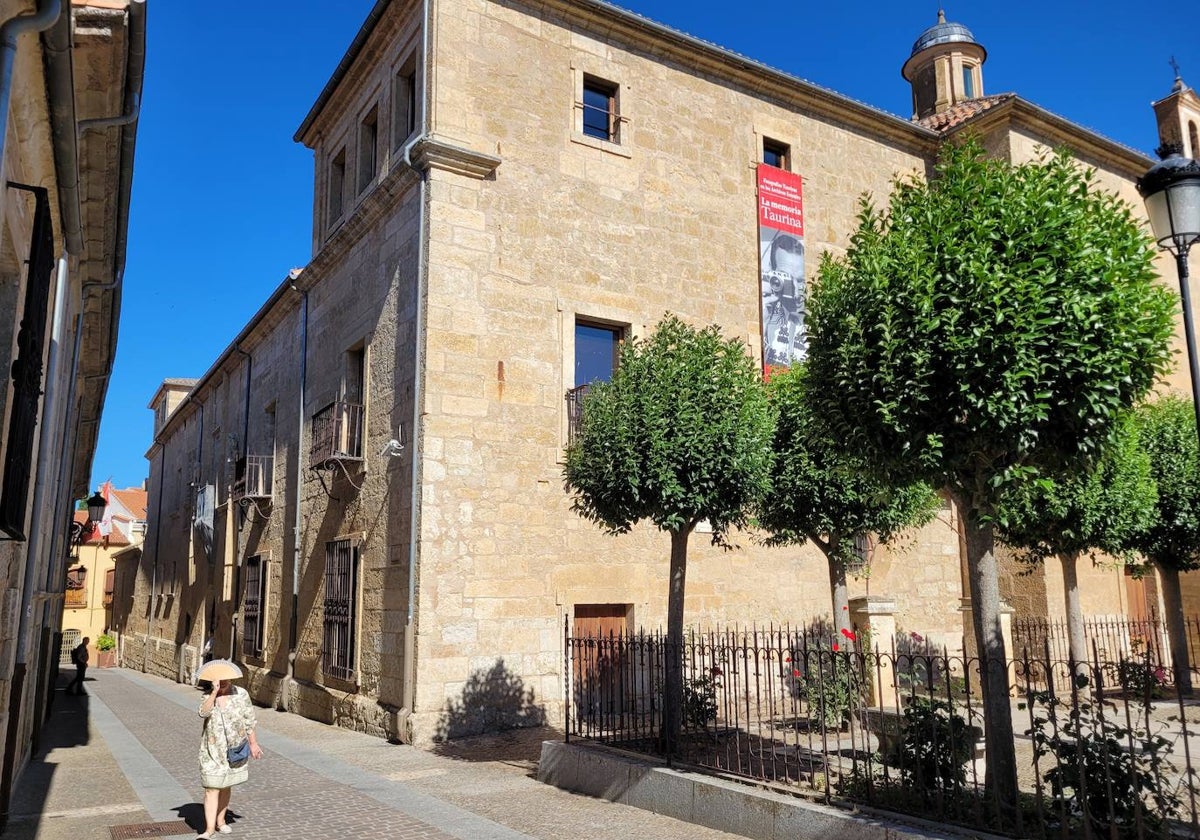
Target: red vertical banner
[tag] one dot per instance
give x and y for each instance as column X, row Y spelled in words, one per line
column 781, row 267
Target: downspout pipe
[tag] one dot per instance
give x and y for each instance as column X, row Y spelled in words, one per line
column 237, row 542
column 296, row 524
column 408, row 697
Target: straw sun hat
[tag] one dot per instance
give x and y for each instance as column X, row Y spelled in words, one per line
column 219, row 669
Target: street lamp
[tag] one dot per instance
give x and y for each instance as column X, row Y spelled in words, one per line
column 96, row 505
column 1171, row 190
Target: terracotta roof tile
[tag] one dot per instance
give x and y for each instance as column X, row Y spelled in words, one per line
column 134, row 499
column 964, row 111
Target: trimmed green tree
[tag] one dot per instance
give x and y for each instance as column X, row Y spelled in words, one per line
column 1101, row 508
column 680, row 435
column 1167, row 431
column 825, row 493
column 988, row 329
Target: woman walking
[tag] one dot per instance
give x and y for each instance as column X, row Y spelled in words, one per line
column 227, row 743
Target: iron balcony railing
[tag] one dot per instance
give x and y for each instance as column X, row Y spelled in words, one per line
column 575, row 412
column 337, row 434
column 253, row 476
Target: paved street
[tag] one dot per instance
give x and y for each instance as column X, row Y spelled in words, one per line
column 125, row 755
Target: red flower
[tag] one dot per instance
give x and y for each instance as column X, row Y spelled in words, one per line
column 795, row 673
column 788, row 659
column 916, row 637
column 845, row 608
column 849, row 634
column 836, row 648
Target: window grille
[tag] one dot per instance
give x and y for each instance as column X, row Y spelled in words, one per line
column 252, row 607
column 341, row 613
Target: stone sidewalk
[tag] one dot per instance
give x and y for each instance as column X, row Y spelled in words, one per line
column 124, row 756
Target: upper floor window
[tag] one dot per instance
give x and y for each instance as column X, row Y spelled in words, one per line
column 404, row 103
column 596, row 350
column 368, row 143
column 1194, row 139
column 337, row 185
column 775, row 153
column 600, row 116
column 968, row 81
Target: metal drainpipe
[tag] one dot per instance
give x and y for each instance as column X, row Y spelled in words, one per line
column 237, row 546
column 162, row 475
column 408, row 697
column 296, row 547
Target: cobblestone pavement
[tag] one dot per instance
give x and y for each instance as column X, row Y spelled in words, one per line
column 126, row 754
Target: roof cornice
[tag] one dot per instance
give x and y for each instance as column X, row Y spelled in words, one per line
column 1060, row 131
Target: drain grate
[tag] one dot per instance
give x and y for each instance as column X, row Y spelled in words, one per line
column 154, row 829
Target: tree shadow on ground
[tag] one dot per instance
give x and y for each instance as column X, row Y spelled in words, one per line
column 496, row 718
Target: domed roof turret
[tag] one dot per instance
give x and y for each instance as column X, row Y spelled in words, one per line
column 944, row 32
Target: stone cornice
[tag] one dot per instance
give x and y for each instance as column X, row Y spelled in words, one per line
column 432, row 152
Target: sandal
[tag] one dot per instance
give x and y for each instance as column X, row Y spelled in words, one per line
column 225, row 829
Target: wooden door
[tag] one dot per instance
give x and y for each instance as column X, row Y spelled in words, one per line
column 600, row 631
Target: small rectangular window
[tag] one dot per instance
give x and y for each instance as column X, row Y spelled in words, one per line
column 968, row 82
column 341, row 609
column 337, row 185
column 368, row 141
column 600, row 118
column 404, row 104
column 775, row 153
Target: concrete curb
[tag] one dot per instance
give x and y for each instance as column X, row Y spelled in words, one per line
column 711, row 801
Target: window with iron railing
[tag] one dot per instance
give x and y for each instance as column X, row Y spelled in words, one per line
column 252, row 476
column 337, row 434
column 575, row 412
column 253, row 614
column 341, row 609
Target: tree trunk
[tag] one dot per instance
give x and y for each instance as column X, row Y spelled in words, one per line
column 1076, row 635
column 1176, row 629
column 1000, row 778
column 673, row 688
column 841, row 600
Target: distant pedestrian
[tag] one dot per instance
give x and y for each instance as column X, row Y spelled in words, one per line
column 79, row 658
column 226, row 745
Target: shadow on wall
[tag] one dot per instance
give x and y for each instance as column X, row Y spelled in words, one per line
column 493, row 700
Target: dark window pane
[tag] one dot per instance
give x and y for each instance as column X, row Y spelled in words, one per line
column 968, row 83
column 597, row 102
column 595, row 353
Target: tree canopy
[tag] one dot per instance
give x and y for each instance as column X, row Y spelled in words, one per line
column 681, row 434
column 990, row 326
column 1167, row 431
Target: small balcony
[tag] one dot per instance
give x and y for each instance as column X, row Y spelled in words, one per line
column 337, row 435
column 253, row 477
column 575, row 412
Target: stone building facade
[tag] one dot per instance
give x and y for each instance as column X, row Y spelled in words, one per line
column 362, row 499
column 70, row 83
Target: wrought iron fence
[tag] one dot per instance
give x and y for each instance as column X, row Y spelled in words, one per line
column 575, row 412
column 1111, row 639
column 903, row 729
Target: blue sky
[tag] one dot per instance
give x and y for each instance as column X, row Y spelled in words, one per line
column 222, row 197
